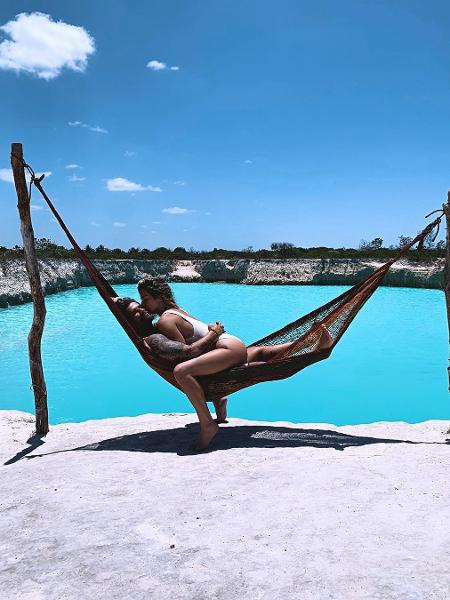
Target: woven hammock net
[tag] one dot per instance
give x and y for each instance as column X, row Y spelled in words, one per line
column 312, row 336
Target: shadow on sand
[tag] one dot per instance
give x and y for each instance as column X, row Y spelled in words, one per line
column 34, row 442
column 180, row 440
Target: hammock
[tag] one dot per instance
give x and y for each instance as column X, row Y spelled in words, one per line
column 305, row 333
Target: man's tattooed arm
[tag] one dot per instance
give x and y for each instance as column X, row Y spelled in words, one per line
column 177, row 351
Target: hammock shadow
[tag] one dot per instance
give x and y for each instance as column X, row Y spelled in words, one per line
column 180, row 440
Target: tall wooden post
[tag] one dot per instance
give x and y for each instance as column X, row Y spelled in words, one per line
column 37, row 327
column 446, row 208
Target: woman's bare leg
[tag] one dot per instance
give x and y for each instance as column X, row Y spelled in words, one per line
column 265, row 353
column 228, row 355
column 193, row 390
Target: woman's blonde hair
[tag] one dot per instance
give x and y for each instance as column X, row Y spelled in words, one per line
column 158, row 288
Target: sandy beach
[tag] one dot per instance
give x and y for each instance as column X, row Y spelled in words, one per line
column 122, row 508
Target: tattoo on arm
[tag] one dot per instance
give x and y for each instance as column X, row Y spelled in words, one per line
column 178, row 351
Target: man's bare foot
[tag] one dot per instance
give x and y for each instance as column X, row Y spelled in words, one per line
column 220, row 407
column 206, row 435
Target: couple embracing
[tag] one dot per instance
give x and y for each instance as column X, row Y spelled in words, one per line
column 194, row 348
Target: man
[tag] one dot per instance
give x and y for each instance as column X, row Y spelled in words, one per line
column 161, row 345
column 170, row 350
column 176, row 352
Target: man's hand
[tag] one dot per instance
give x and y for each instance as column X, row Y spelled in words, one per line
column 176, row 352
column 217, row 327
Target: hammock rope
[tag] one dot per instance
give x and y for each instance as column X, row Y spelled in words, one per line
column 305, row 334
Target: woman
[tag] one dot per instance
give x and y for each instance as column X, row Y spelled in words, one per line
column 177, row 324
column 165, row 348
column 230, row 351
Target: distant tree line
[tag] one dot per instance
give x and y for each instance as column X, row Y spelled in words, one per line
column 46, row 248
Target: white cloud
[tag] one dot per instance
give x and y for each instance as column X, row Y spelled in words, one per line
column 180, row 183
column 72, row 166
column 157, row 65
column 36, row 207
column 98, row 129
column 208, row 213
column 248, row 162
column 76, row 178
column 156, row 222
column 42, row 47
column 119, row 224
column 129, row 153
column 6, row 175
column 45, row 173
column 120, row 184
column 94, row 224
column 177, row 210
column 95, row 129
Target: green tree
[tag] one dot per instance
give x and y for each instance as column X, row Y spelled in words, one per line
column 429, row 241
column 364, row 245
column 376, row 243
column 47, row 245
column 281, row 246
column 404, row 240
column 162, row 251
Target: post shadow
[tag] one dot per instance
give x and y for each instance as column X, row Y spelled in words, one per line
column 35, row 441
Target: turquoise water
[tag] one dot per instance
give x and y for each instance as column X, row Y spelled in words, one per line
column 390, row 365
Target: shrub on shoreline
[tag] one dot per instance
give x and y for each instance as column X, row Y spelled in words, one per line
column 45, row 248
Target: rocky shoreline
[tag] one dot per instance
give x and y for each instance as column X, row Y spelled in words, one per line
column 60, row 275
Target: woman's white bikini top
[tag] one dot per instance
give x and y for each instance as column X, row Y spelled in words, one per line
column 200, row 328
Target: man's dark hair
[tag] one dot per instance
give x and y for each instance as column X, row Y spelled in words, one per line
column 145, row 326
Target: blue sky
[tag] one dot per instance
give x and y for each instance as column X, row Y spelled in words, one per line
column 312, row 122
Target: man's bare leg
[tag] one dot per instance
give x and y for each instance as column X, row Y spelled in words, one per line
column 220, row 406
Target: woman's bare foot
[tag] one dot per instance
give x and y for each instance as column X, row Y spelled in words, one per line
column 206, row 435
column 220, row 407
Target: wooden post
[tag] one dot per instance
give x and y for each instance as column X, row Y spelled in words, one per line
column 446, row 209
column 37, row 327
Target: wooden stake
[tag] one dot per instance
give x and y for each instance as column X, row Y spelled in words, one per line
column 37, row 327
column 446, row 209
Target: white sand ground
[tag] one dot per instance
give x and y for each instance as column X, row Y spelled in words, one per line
column 120, row 508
